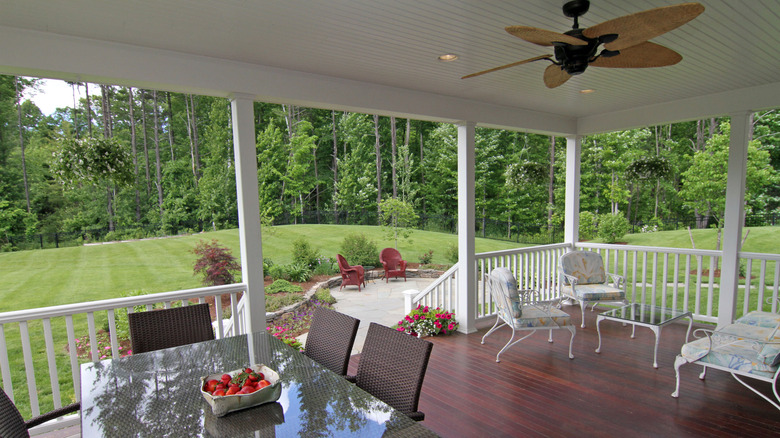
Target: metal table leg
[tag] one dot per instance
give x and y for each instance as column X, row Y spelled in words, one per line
column 599, row 318
column 657, row 330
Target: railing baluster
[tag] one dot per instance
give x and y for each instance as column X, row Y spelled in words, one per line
column 675, row 280
column 75, row 371
column 92, row 336
column 633, row 277
column 654, row 279
column 218, row 314
column 761, row 283
column 5, row 366
column 711, row 285
column 644, row 277
column 664, row 279
column 697, row 304
column 112, row 333
column 52, row 361
column 29, row 368
column 234, row 313
column 746, row 303
column 687, row 288
column 776, row 286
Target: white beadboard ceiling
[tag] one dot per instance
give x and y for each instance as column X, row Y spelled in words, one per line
column 734, row 45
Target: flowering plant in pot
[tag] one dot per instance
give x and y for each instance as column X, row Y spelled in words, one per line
column 426, row 321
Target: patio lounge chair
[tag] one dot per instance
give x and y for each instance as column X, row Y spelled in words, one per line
column 350, row 275
column 584, row 280
column 392, row 368
column 523, row 313
column 750, row 347
column 330, row 339
column 165, row 328
column 12, row 423
column 393, row 264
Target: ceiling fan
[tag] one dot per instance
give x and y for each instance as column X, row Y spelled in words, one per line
column 625, row 41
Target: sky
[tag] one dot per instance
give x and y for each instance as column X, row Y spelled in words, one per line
column 52, row 94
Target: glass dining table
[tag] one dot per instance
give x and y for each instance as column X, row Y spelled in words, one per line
column 157, row 394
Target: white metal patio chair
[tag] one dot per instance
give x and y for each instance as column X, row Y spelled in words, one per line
column 523, row 313
column 584, row 280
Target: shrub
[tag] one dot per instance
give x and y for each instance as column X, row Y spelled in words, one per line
column 425, row 321
column 587, row 225
column 278, row 272
column 359, row 250
column 299, row 272
column 612, row 227
column 427, row 257
column 323, row 295
column 276, row 302
column 267, row 263
column 279, row 286
column 451, row 253
column 215, row 263
column 303, row 253
column 325, row 266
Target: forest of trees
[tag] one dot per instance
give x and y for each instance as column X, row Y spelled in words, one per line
column 149, row 162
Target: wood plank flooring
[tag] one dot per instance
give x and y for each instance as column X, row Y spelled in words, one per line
column 536, row 390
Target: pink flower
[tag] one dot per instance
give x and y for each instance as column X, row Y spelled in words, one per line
column 400, row 329
column 416, row 317
column 107, row 348
column 129, row 351
column 437, row 324
column 407, row 318
column 451, row 326
column 413, row 334
column 103, row 357
column 425, row 309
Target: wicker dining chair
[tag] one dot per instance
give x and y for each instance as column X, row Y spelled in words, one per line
column 166, row 328
column 330, row 339
column 12, row 424
column 392, row 368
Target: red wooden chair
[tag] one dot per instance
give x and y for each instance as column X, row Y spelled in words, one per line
column 393, row 264
column 350, row 275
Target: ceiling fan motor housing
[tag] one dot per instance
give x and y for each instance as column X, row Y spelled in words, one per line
column 574, row 59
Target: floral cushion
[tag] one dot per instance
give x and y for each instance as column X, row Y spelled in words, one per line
column 587, row 266
column 594, row 292
column 542, row 316
column 742, row 347
column 507, row 285
column 760, row 319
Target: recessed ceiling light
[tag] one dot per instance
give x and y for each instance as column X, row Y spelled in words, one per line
column 587, row 91
column 447, row 57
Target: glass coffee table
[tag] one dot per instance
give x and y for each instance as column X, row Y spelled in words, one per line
column 653, row 317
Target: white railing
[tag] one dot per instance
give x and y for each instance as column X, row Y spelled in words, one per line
column 61, row 331
column 440, row 293
column 667, row 277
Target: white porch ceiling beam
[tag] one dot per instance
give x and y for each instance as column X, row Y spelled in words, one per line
column 713, row 105
column 42, row 54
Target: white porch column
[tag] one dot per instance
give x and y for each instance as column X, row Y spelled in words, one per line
column 249, row 238
column 467, row 275
column 732, row 221
column 571, row 225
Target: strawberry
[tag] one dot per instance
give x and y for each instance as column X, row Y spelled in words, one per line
column 232, row 390
column 226, row 378
column 219, row 393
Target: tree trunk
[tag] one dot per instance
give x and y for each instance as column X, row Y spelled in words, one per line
column 130, row 105
column 146, row 143
column 105, row 106
column 74, row 87
column 407, row 161
column 378, row 166
column 170, row 123
column 21, row 142
column 335, row 165
column 422, row 168
column 316, row 184
column 192, row 133
column 393, row 149
column 550, row 185
column 89, row 109
column 158, row 164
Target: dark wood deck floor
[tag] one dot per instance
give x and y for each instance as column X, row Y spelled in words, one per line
column 537, row 390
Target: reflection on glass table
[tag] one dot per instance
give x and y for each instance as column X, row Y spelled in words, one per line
column 158, row 394
column 653, row 317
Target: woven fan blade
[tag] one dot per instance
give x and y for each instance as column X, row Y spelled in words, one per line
column 525, row 61
column 543, row 37
column 555, row 76
column 642, row 26
column 642, row 55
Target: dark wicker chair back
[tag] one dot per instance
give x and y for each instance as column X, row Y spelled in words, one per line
column 12, row 425
column 392, row 368
column 166, row 328
column 330, row 339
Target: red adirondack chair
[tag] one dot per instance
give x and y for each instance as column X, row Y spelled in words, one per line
column 394, row 265
column 350, row 275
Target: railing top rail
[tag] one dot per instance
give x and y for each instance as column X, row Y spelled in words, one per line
column 760, row 256
column 534, row 248
column 113, row 303
column 702, row 252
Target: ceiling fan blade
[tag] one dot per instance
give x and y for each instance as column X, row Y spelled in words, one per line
column 555, row 76
column 642, row 55
column 543, row 37
column 525, row 61
column 642, row 26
